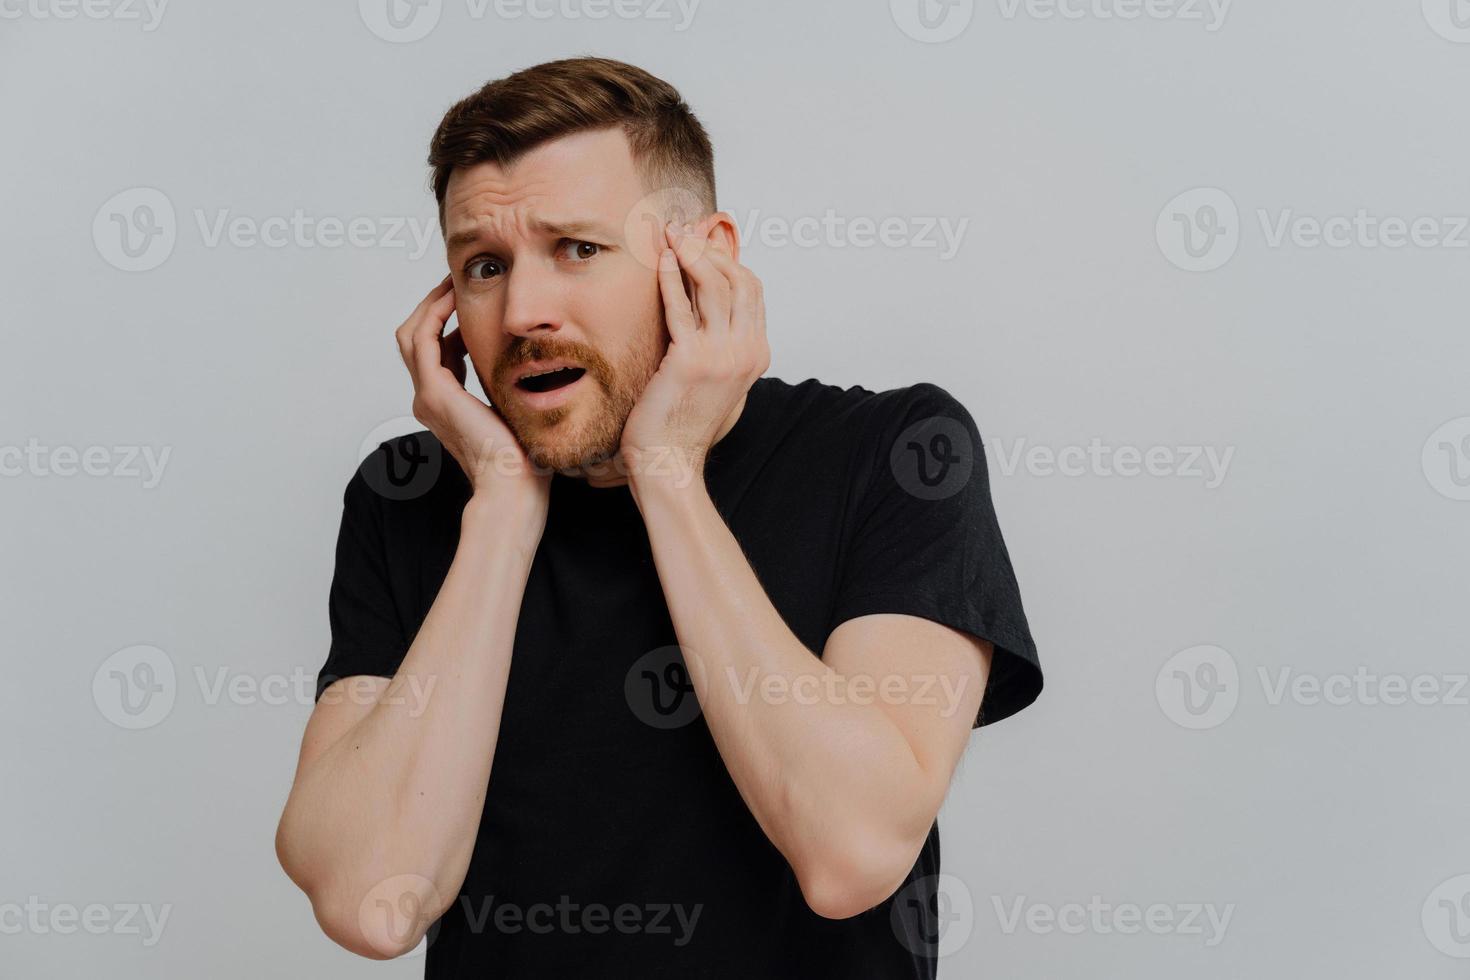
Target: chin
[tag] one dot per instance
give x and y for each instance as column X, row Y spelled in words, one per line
column 569, row 451
column 571, row 460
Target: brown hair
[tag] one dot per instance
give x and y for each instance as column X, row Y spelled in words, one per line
column 511, row 116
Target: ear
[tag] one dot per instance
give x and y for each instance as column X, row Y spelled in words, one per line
column 722, row 229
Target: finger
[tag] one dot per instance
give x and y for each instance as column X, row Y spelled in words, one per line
column 711, row 292
column 427, row 353
column 745, row 305
column 670, row 240
column 742, row 289
column 427, row 308
column 678, row 313
column 404, row 333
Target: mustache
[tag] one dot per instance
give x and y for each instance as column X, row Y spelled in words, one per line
column 524, row 349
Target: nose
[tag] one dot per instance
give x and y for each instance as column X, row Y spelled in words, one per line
column 534, row 301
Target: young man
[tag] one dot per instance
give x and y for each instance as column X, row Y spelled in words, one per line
column 665, row 670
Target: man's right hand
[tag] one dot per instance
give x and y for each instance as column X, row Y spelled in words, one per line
column 472, row 431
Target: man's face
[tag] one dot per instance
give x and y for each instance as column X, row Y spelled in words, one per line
column 545, row 271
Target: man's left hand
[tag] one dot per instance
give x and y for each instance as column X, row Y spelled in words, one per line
column 717, row 349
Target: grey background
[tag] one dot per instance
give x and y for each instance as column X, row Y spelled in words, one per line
column 1336, row 540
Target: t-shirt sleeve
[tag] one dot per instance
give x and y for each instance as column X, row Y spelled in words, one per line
column 923, row 539
column 367, row 634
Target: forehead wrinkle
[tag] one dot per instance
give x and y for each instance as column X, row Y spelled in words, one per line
column 525, row 222
column 500, row 203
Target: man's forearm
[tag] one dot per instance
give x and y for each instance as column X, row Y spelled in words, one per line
column 399, row 797
column 832, row 782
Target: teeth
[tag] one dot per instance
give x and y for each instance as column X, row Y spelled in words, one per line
column 552, row 371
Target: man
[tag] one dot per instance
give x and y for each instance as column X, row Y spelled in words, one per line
column 664, row 672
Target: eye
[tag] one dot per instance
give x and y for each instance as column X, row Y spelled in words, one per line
column 483, row 268
column 477, row 264
column 577, row 255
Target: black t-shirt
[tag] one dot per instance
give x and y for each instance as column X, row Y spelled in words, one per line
column 613, row 842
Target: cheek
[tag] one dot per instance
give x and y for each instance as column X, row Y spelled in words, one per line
column 479, row 324
column 635, row 293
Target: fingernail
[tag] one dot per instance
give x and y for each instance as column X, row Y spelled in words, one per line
column 667, row 260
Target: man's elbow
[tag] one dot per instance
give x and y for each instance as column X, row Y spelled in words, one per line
column 366, row 935
column 368, row 928
column 843, row 882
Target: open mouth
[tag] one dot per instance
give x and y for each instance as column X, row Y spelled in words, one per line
column 550, row 380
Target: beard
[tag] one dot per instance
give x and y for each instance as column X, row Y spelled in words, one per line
column 585, row 434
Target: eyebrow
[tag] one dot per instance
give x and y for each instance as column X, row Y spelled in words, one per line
column 559, row 229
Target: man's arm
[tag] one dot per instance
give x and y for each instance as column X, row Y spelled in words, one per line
column 384, row 810
column 845, row 779
column 844, row 783
column 390, row 788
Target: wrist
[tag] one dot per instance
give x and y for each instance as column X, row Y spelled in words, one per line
column 667, row 489
column 664, row 467
column 502, row 513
